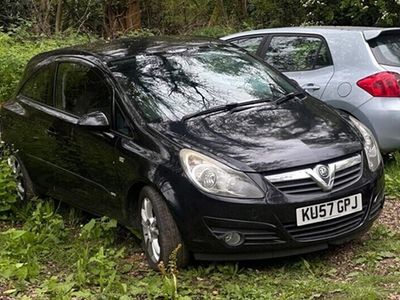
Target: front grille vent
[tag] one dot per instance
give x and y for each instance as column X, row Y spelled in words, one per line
column 300, row 182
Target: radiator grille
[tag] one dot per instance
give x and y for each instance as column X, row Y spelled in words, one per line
column 299, row 182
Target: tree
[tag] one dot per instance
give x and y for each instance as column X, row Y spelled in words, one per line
column 121, row 17
column 59, row 14
column 353, row 12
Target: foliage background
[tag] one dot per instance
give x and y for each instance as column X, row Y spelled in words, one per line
column 28, row 27
column 112, row 18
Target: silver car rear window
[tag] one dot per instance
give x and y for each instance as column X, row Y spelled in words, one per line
column 386, row 49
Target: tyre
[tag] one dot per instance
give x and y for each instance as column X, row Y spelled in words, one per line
column 23, row 181
column 160, row 234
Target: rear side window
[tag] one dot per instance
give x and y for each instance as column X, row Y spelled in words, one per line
column 386, row 49
column 250, row 44
column 81, row 90
column 297, row 53
column 39, row 86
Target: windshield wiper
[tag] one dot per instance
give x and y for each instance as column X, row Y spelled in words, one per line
column 211, row 110
column 232, row 107
column 240, row 106
column 290, row 96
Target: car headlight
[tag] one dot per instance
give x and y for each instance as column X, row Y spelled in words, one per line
column 216, row 178
column 371, row 147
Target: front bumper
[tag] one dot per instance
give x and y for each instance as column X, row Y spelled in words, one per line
column 269, row 227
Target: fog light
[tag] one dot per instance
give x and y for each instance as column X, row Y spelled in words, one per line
column 233, row 238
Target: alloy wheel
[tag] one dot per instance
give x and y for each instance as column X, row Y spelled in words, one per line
column 18, row 175
column 150, row 230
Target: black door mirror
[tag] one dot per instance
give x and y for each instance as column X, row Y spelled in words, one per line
column 94, row 120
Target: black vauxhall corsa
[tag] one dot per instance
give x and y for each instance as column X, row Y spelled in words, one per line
column 196, row 143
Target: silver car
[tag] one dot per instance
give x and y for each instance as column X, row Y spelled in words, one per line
column 355, row 69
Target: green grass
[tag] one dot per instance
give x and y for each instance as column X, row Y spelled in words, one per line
column 392, row 176
column 61, row 259
column 52, row 251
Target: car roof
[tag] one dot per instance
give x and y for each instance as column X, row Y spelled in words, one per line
column 109, row 51
column 369, row 32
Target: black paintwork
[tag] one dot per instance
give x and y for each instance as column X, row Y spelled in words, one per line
column 102, row 170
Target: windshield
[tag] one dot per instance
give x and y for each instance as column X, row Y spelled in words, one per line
column 386, row 49
column 169, row 85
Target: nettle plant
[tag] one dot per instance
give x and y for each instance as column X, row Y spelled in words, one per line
column 8, row 194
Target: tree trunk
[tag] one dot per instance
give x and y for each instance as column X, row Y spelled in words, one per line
column 133, row 16
column 242, row 9
column 119, row 19
column 218, row 15
column 41, row 16
column 59, row 14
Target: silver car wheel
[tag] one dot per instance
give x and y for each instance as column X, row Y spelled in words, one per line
column 18, row 175
column 150, row 230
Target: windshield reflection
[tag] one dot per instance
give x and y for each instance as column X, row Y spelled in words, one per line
column 168, row 85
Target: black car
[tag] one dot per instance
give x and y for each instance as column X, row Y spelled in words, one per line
column 195, row 142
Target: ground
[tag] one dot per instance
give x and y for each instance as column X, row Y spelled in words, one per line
column 52, row 251
column 367, row 268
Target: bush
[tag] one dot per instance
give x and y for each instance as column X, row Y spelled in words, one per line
column 214, row 31
column 8, row 195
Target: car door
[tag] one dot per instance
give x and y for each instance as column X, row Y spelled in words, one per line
column 28, row 122
column 304, row 58
column 85, row 157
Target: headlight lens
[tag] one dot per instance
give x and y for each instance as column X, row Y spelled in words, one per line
column 371, row 147
column 216, row 178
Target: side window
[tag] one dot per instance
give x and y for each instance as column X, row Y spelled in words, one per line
column 39, row 85
column 250, row 44
column 120, row 122
column 81, row 90
column 297, row 53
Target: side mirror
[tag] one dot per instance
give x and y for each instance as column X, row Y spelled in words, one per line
column 94, row 120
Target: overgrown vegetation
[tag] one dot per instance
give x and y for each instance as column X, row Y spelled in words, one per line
column 392, row 176
column 28, row 27
column 50, row 251
column 114, row 18
column 8, row 195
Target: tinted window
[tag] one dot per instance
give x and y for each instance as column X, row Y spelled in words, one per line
column 297, row 53
column 120, row 122
column 249, row 44
column 169, row 85
column 386, row 49
column 39, row 86
column 81, row 90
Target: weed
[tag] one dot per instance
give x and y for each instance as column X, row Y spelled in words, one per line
column 46, row 252
column 8, row 194
column 169, row 273
column 102, row 229
column 392, row 176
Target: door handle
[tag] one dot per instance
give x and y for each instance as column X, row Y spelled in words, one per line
column 311, row 87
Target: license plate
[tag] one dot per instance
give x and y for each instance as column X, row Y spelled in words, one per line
column 328, row 210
